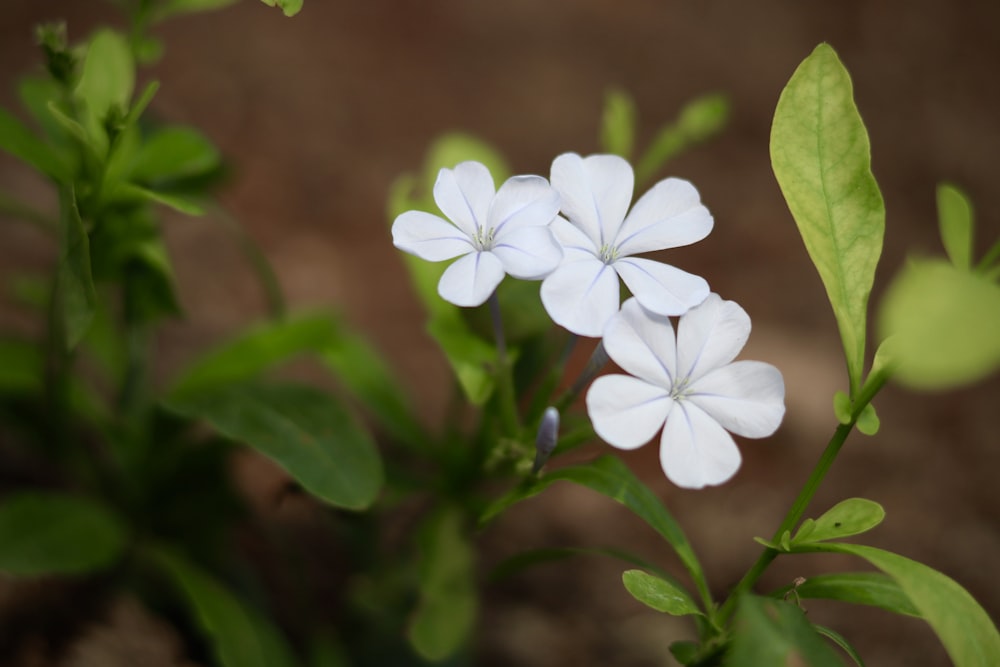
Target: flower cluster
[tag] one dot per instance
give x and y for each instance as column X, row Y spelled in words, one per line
column 576, row 233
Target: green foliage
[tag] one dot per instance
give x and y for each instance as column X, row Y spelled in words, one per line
column 75, row 295
column 659, row 594
column 868, row 588
column 944, row 323
column 172, row 154
column 964, row 627
column 821, row 159
column 699, row 120
column 240, row 636
column 289, row 7
column 848, row 517
column 618, row 124
column 840, row 641
column 169, row 8
column 48, row 533
column 305, row 431
column 20, row 142
column 956, row 224
column 446, row 611
column 773, row 632
column 612, row 478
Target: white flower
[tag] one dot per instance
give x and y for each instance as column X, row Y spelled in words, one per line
column 599, row 240
column 688, row 385
column 492, row 232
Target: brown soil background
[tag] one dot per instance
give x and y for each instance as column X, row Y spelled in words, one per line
column 318, row 114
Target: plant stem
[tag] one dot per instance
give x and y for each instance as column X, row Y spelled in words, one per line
column 597, row 360
column 872, row 386
column 504, row 376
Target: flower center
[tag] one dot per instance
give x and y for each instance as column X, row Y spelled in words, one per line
column 483, row 238
column 608, row 254
column 679, row 390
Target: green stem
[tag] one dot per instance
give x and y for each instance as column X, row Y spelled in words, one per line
column 504, row 375
column 875, row 382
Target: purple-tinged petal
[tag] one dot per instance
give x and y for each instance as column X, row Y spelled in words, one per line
column 429, row 237
column 661, row 288
column 695, row 451
column 464, row 195
column 642, row 344
column 471, row 279
column 744, row 397
column 670, row 215
column 528, row 253
column 625, row 411
column 595, row 192
column 575, row 244
column 523, row 201
column 710, row 336
column 581, row 296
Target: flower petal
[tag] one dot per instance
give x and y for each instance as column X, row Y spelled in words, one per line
column 695, row 451
column 642, row 344
column 529, row 253
column 429, row 237
column 661, row 288
column 670, row 215
column 471, row 279
column 523, row 201
column 576, row 245
column 710, row 336
column 464, row 195
column 625, row 411
column 595, row 192
column 745, row 397
column 581, row 296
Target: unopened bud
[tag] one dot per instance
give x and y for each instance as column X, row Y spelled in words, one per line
column 545, row 441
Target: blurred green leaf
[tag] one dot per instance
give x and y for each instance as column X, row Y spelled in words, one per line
column 75, row 292
column 240, row 636
column 450, row 149
column 609, row 476
column 36, row 93
column 130, row 193
column 842, row 642
column 956, row 224
column 49, row 533
column 174, row 153
column 446, row 612
column 822, row 161
column 108, row 75
column 964, row 627
column 944, row 323
column 289, row 7
column 699, row 120
column 659, row 594
column 618, row 124
column 305, row 431
column 848, row 517
column 20, row 142
column 21, row 367
column 471, row 358
column 868, row 588
column 170, row 8
column 773, row 632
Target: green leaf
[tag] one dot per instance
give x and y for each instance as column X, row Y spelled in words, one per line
column 289, row 7
column 303, row 430
column 240, row 636
column 944, row 323
column 36, row 93
column 868, row 421
column 699, row 120
column 842, row 407
column 773, row 632
column 21, row 367
column 868, row 588
column 21, row 142
column 174, row 153
column 75, row 291
column 108, row 75
column 471, row 358
column 842, row 642
column 848, row 517
column 48, row 533
column 609, row 476
column 253, row 352
column 446, row 612
column 964, row 627
column 618, row 124
column 659, row 594
column 132, row 193
column 821, row 159
column 170, row 8
column 956, row 224
column 450, row 149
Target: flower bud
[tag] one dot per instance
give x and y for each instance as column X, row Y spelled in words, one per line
column 545, row 441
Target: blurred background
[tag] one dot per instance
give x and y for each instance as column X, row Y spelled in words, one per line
column 317, row 116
